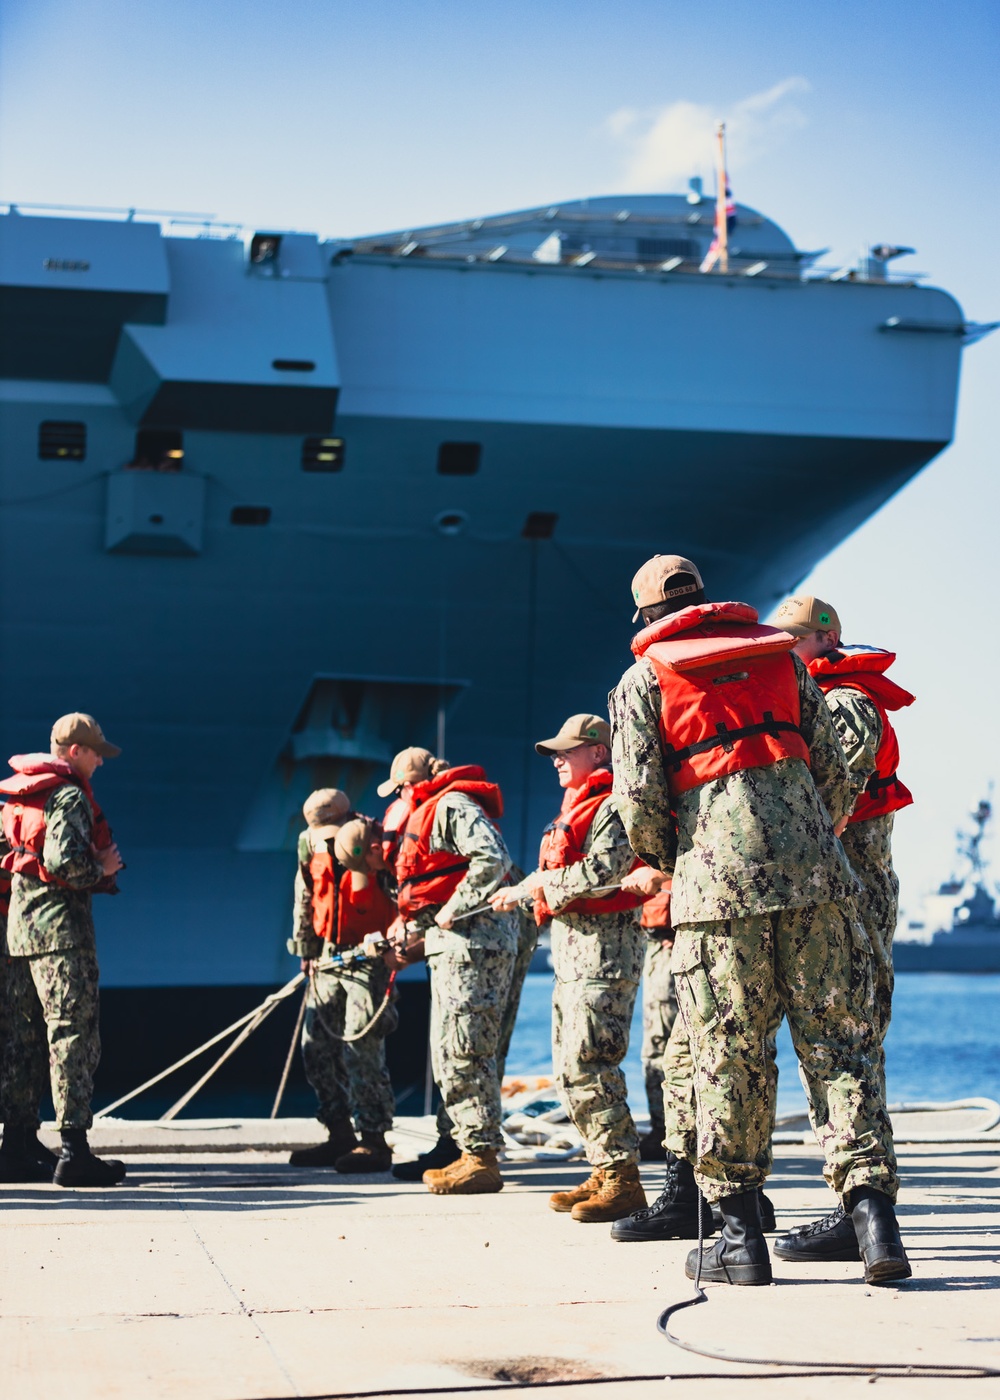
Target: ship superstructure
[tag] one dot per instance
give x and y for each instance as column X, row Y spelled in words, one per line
column 962, row 918
column 275, row 507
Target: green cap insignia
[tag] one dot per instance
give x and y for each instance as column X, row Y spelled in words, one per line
column 824, row 618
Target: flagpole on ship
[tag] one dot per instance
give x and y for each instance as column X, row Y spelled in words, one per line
column 722, row 202
column 718, row 252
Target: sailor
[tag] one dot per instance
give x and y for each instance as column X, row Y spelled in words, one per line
column 597, row 948
column 729, row 777
column 335, row 906
column 451, row 858
column 22, row 1156
column 60, row 853
column 445, row 1150
column 860, row 696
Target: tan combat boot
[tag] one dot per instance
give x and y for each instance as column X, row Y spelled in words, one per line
column 566, row 1200
column 474, row 1174
column 621, row 1193
column 373, row 1154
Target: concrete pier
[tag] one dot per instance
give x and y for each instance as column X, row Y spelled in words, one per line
column 218, row 1272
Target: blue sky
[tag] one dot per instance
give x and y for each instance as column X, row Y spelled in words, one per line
column 850, row 122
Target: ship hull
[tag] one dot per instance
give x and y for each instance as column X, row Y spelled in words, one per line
column 265, row 621
column 932, row 957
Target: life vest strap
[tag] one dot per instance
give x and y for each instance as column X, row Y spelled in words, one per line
column 726, row 738
column 433, row 874
column 876, row 785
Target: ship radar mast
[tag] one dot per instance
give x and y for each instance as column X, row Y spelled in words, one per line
column 970, row 843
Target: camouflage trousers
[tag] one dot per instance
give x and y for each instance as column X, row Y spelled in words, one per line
column 659, row 1012
column 868, row 848
column 469, row 993
column 53, row 1031
column 591, row 1021
column 350, row 1079
column 734, row 978
column 527, row 942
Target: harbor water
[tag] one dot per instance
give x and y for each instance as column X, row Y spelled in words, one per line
column 943, row 1043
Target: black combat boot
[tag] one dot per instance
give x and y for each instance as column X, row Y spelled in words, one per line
column 77, row 1165
column 442, row 1154
column 340, row 1140
column 877, row 1234
column 832, row 1238
column 674, row 1213
column 22, row 1157
column 740, row 1256
column 651, row 1147
column 767, row 1221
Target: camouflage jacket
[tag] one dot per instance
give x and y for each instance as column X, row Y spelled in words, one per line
column 46, row 918
column 604, row 947
column 859, row 729
column 749, row 842
column 462, row 827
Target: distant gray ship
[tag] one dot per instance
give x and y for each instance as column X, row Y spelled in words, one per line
column 966, row 930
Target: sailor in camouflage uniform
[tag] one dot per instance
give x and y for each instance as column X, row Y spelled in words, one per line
column 859, row 695
column 346, row 989
column 61, row 851
column 597, row 949
column 451, row 858
column 22, row 1156
column 730, row 777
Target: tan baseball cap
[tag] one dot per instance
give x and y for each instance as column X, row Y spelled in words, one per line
column 353, row 842
column 409, row 766
column 83, row 729
column 326, row 807
column 577, row 731
column 652, row 583
column 804, row 614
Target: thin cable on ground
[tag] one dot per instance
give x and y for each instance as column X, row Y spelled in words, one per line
column 280, row 995
column 290, row 1057
column 886, row 1369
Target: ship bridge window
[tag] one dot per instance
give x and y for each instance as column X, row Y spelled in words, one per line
column 250, row 515
column 294, row 366
column 323, row 454
column 65, row 442
column 459, row 458
column 158, row 450
column 264, row 248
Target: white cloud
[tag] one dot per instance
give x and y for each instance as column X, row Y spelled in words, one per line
column 665, row 145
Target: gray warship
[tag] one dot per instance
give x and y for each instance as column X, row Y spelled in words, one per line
column 275, row 506
column 962, row 917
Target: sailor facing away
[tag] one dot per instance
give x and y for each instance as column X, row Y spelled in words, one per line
column 729, row 776
column 860, row 696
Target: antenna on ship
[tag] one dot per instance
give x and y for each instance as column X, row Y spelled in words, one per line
column 972, row 847
column 718, row 252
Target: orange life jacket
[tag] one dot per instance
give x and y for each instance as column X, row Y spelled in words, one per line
column 563, row 841
column 656, row 910
column 397, row 814
column 730, row 698
column 427, row 877
column 326, row 886
column 368, row 910
column 36, row 777
column 863, row 669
